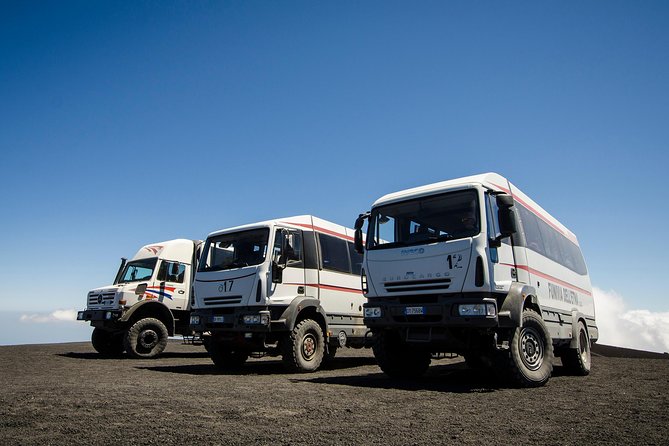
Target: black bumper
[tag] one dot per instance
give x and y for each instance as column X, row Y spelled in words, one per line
column 436, row 312
column 217, row 320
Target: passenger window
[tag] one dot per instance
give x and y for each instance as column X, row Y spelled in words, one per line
column 294, row 254
column 171, row 272
column 334, row 253
column 356, row 259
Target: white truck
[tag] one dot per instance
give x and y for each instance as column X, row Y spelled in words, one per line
column 473, row 266
column 288, row 287
column 149, row 300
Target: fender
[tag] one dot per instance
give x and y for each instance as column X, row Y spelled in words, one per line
column 511, row 311
column 150, row 308
column 298, row 305
column 575, row 317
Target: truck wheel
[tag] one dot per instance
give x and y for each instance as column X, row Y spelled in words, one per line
column 107, row 343
column 577, row 360
column 304, row 347
column 225, row 357
column 146, row 338
column 530, row 360
column 397, row 359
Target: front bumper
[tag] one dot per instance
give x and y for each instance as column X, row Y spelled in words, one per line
column 99, row 315
column 233, row 320
column 437, row 312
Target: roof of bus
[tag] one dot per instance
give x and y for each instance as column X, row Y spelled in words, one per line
column 309, row 222
column 490, row 180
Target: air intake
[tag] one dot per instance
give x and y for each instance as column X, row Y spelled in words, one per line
column 417, row 285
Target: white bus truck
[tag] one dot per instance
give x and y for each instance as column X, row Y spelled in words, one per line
column 473, row 266
column 288, row 287
column 149, row 301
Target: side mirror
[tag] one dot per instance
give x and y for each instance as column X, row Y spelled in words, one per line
column 277, row 273
column 141, row 289
column 506, row 216
column 357, row 236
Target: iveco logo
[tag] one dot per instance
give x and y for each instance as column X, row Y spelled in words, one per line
column 411, row 252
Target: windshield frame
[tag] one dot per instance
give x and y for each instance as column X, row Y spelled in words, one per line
column 235, row 237
column 148, row 263
column 393, row 210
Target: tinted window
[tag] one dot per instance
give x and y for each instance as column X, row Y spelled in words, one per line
column 171, row 272
column 542, row 238
column 334, row 252
column 356, row 259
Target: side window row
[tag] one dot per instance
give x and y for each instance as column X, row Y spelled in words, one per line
column 339, row 255
column 543, row 239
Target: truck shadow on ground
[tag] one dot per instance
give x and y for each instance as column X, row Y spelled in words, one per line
column 165, row 355
column 447, row 378
column 265, row 367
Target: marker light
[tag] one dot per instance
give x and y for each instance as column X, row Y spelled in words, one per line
column 372, row 312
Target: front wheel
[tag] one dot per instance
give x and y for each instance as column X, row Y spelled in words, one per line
column 530, row 359
column 146, row 338
column 578, row 360
column 107, row 343
column 397, row 359
column 304, row 347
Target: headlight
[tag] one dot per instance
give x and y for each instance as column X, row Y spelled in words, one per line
column 477, row 310
column 194, row 319
column 80, row 315
column 371, row 312
column 109, row 315
column 257, row 319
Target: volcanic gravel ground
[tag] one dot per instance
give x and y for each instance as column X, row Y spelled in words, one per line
column 67, row 394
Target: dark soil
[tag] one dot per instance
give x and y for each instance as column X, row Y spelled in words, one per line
column 67, row 394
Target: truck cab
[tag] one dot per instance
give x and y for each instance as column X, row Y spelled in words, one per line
column 471, row 266
column 288, row 287
column 148, row 301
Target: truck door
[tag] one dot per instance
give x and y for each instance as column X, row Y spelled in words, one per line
column 501, row 259
column 339, row 285
column 172, row 284
column 288, row 251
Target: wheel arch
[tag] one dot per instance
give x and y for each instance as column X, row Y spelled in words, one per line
column 150, row 308
column 305, row 308
column 520, row 297
column 576, row 319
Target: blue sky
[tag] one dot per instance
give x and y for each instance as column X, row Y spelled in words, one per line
column 128, row 123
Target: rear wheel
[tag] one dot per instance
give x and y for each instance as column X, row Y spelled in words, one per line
column 529, row 363
column 107, row 343
column 577, row 360
column 146, row 338
column 397, row 359
column 304, row 347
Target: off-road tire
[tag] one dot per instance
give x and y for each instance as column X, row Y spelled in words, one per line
column 577, row 361
column 529, row 361
column 225, row 357
column 146, row 338
column 397, row 359
column 304, row 347
column 106, row 342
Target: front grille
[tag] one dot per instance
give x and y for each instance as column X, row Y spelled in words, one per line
column 226, row 300
column 101, row 298
column 417, row 285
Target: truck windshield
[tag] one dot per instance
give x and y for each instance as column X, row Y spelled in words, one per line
column 425, row 220
column 138, row 270
column 234, row 250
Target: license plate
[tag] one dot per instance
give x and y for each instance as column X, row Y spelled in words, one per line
column 412, row 311
column 218, row 319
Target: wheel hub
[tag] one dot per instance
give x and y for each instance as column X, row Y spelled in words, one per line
column 531, row 348
column 148, row 339
column 308, row 347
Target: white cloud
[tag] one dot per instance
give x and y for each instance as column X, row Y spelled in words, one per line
column 622, row 327
column 55, row 316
